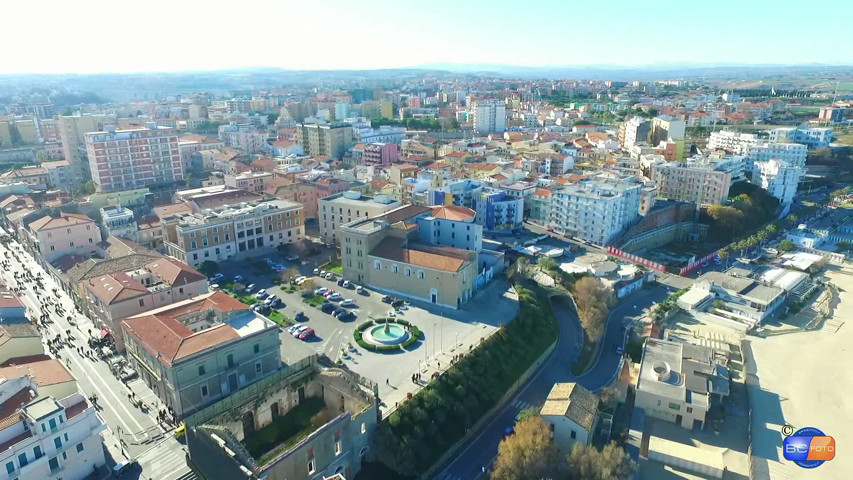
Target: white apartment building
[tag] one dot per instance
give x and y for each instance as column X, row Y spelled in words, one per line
column 345, row 207
column 118, row 222
column 136, row 158
column 735, row 142
column 814, row 137
column 778, row 177
column 692, row 181
column 636, row 130
column 490, row 116
column 246, row 137
column 793, row 153
column 595, row 210
column 42, row 438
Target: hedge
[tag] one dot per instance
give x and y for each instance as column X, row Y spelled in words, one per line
column 364, row 326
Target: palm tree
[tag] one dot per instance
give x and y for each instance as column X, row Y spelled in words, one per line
column 762, row 236
column 771, row 229
column 792, row 219
column 751, row 241
column 723, row 253
column 742, row 245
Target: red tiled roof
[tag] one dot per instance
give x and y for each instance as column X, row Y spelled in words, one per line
column 48, row 222
column 452, row 212
column 391, row 249
column 542, row 192
column 44, row 370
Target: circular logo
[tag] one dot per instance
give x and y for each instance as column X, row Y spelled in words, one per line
column 808, row 431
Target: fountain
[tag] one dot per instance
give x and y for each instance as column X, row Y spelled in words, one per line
column 387, row 334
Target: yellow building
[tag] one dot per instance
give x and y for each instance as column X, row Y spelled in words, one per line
column 386, row 109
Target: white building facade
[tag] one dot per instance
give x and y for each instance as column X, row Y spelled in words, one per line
column 490, row 116
column 779, row 178
column 595, row 210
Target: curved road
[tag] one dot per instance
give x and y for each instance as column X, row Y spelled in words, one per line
column 483, row 448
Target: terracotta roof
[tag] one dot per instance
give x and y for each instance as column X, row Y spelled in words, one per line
column 391, row 249
column 67, row 262
column 437, row 165
column 457, row 154
column 10, row 410
column 283, row 143
column 378, row 184
column 171, row 341
column 573, row 401
column 116, row 287
column 174, row 272
column 151, row 221
column 48, row 222
column 9, row 299
column 452, row 212
column 172, row 209
column 542, row 192
column 217, row 301
column 44, row 370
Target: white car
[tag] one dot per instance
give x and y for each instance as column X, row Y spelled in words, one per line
column 346, row 284
column 316, row 271
column 300, row 280
column 391, row 313
column 217, row 277
column 348, row 303
column 335, row 297
column 261, row 293
column 323, row 273
column 330, row 276
column 294, row 328
column 250, row 287
column 321, row 291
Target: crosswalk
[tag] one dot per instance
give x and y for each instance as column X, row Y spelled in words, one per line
column 166, row 461
column 522, row 405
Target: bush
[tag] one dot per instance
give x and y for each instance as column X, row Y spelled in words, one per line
column 403, row 322
column 414, row 335
column 364, row 326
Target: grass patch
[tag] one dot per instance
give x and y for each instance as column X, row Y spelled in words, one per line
column 333, row 267
column 280, row 318
column 844, row 138
column 314, row 301
column 585, row 357
column 285, row 431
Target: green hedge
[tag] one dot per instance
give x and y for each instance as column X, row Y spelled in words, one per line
column 364, row 326
column 418, row 433
column 414, row 334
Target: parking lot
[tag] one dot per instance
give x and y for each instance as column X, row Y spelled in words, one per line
column 445, row 332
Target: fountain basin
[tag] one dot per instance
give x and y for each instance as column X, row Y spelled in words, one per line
column 377, row 334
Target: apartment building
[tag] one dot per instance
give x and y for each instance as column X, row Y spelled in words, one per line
column 634, row 131
column 55, row 236
column 813, row 137
column 345, row 207
column 45, row 438
column 666, row 128
column 692, row 181
column 679, row 382
column 238, row 105
column 497, row 210
column 779, row 178
column 793, row 153
column 379, row 154
column 60, row 175
column 113, row 296
column 247, row 137
column 118, row 221
column 72, row 134
column 135, row 158
column 309, row 192
column 595, row 210
column 34, row 175
column 195, row 352
column 255, row 182
column 490, row 116
column 390, row 253
column 189, row 144
column 231, row 231
column 326, row 139
column 731, row 141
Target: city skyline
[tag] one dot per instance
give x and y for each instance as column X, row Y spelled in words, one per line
column 385, row 34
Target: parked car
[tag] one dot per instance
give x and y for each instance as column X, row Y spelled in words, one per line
column 299, row 330
column 214, row 286
column 306, row 334
column 397, row 303
column 300, row 317
column 335, row 297
column 249, row 288
column 387, row 298
column 337, row 311
column 346, row 317
column 347, row 284
column 327, row 307
column 321, row 291
column 262, row 293
column 619, row 349
column 330, row 276
column 294, row 327
column 217, row 277
column 361, row 290
column 292, row 258
column 348, row 303
column 316, row 271
column 391, row 313
column 549, row 229
column 328, row 293
column 300, row 280
column 340, row 282
column 323, row 273
column 123, row 466
column 238, row 278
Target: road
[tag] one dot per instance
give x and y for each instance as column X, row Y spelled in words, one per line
column 131, row 431
column 482, row 450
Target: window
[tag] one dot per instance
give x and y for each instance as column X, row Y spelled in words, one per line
column 43, row 428
column 311, row 466
column 377, row 265
column 420, row 274
column 394, row 269
column 574, row 434
column 181, row 290
column 66, row 436
column 57, row 442
column 195, row 256
column 141, row 302
column 61, row 420
column 52, row 248
column 674, row 406
column 408, row 272
column 338, row 448
column 22, row 459
column 256, row 347
column 54, row 463
column 193, row 245
column 79, row 447
column 204, row 391
column 689, row 409
column 10, row 467
column 37, row 452
column 201, row 370
column 70, row 244
column 258, row 367
column 658, row 402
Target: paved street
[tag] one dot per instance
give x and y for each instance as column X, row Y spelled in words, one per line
column 482, row 450
column 137, row 429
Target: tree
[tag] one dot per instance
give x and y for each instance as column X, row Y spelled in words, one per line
column 786, row 246
column 525, row 414
column 547, row 263
column 723, row 253
column 308, row 285
column 844, row 245
column 609, row 463
column 289, row 274
column 771, row 229
column 528, row 454
column 208, row 268
column 87, row 188
column 727, row 216
column 792, row 219
column 593, row 299
column 653, row 112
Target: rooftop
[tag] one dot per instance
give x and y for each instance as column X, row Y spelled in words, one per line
column 446, row 258
column 42, row 407
column 573, row 401
column 64, row 220
column 43, row 369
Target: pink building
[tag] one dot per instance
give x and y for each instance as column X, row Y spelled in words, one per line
column 308, row 194
column 128, row 159
column 380, row 154
column 65, row 234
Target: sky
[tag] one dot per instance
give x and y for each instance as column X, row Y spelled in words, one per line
column 61, row 36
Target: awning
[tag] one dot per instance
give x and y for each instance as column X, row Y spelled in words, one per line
column 105, row 332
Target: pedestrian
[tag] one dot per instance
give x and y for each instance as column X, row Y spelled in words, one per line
column 387, row 381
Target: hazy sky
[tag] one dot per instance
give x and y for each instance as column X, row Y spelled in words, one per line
column 57, row 36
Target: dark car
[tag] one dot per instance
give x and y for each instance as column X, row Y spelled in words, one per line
column 301, row 317
column 337, row 311
column 327, row 307
column 397, row 303
column 340, row 282
column 346, row 317
column 387, row 298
